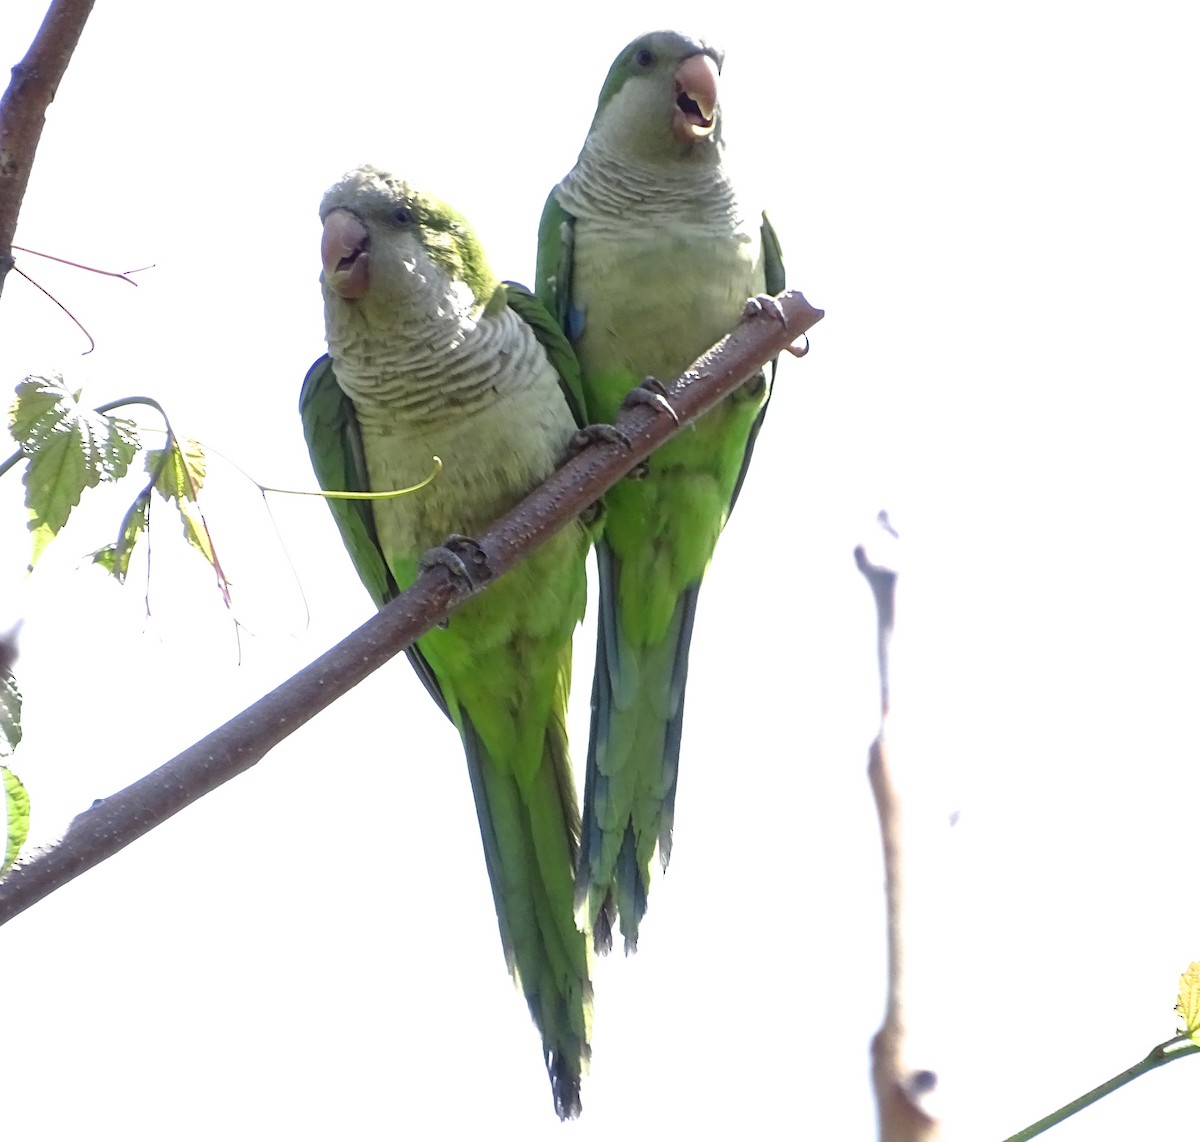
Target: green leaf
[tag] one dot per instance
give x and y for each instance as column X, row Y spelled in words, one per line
column 10, row 715
column 178, row 470
column 114, row 557
column 178, row 473
column 16, row 802
column 1189, row 1002
column 68, row 448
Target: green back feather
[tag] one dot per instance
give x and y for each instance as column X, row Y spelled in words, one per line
column 772, row 258
column 554, row 260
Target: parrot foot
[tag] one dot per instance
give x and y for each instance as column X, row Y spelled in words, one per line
column 764, row 303
column 462, row 557
column 599, row 434
column 606, row 434
column 651, row 392
column 593, row 514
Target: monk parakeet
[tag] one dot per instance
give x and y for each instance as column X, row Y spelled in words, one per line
column 647, row 256
column 429, row 355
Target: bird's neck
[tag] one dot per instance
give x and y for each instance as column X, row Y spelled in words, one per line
column 407, row 377
column 606, row 185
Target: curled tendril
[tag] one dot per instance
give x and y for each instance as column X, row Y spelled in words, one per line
column 390, row 495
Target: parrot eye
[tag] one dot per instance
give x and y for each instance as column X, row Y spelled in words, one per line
column 645, row 58
column 402, row 215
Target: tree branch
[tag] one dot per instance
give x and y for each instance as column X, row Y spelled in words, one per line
column 898, row 1089
column 111, row 824
column 33, row 86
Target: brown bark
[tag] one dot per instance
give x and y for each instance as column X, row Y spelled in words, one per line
column 116, row 821
column 23, row 106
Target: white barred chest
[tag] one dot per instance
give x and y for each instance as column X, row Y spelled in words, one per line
column 491, row 457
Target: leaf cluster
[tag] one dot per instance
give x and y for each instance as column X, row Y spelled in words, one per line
column 68, row 447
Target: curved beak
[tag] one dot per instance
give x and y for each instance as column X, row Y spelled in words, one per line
column 695, row 98
column 346, row 254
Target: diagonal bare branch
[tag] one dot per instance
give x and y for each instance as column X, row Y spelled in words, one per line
column 111, row 824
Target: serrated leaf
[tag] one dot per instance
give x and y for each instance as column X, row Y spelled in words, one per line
column 178, row 472
column 196, row 532
column 16, row 802
column 114, row 557
column 1189, row 1001
column 68, row 448
column 10, row 715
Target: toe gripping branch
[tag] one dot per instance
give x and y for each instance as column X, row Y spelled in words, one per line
column 464, row 558
column 599, row 434
column 606, row 434
column 651, row 392
column 766, row 304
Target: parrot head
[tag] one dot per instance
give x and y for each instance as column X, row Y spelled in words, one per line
column 660, row 98
column 390, row 248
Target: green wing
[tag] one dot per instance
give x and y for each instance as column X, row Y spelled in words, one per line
column 556, row 251
column 773, row 258
column 775, row 283
column 335, row 446
column 336, row 450
column 549, row 333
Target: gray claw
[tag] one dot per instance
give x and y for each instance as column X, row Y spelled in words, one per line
column 592, row 514
column 764, row 303
column 599, row 433
column 462, row 557
column 651, row 392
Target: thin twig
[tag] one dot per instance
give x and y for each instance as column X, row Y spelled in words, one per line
column 1161, row 1054
column 122, row 274
column 82, row 327
column 111, row 824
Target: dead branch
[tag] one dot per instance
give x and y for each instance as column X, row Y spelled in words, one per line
column 898, row 1088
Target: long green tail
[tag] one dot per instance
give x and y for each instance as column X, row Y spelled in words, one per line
column 666, row 528
column 530, row 830
column 633, row 759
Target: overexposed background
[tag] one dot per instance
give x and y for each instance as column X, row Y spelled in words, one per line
column 996, row 208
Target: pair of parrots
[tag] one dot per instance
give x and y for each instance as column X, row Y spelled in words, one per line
column 647, row 256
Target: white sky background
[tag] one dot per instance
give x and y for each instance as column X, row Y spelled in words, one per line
column 997, row 211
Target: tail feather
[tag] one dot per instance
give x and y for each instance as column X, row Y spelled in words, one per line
column 530, row 853
column 633, row 761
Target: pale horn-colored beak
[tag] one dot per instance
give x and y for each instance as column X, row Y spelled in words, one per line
column 346, row 254
column 695, row 98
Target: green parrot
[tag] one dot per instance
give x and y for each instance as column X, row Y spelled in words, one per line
column 429, row 355
column 648, row 256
